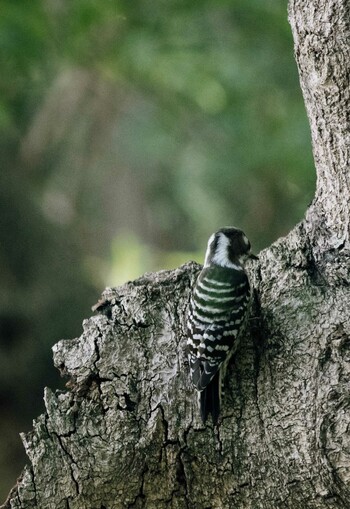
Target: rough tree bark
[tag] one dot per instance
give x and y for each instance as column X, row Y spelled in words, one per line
column 127, row 433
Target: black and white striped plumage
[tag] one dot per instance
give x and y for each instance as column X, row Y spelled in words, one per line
column 217, row 312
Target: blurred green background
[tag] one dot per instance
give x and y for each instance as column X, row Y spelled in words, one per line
column 130, row 130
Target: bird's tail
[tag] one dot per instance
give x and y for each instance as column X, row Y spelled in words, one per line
column 209, row 400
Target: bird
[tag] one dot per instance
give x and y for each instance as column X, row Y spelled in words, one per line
column 218, row 309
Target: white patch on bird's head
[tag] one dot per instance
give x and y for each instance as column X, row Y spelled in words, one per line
column 209, row 249
column 221, row 254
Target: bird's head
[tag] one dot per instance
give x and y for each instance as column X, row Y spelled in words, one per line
column 228, row 247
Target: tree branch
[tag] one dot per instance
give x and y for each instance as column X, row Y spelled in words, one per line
column 321, row 33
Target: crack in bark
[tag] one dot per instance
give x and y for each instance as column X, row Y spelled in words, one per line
column 140, row 495
column 72, row 462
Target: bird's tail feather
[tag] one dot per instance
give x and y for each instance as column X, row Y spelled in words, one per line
column 209, row 400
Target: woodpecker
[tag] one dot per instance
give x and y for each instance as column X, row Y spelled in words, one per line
column 217, row 313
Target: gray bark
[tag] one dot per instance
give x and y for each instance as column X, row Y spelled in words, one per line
column 127, row 432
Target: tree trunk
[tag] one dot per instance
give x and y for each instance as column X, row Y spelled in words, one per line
column 128, row 433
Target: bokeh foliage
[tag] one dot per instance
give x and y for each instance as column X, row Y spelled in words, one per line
column 130, row 130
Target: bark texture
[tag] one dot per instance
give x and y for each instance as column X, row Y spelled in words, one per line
column 321, row 31
column 128, row 435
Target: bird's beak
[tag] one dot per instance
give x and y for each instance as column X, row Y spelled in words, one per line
column 253, row 256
